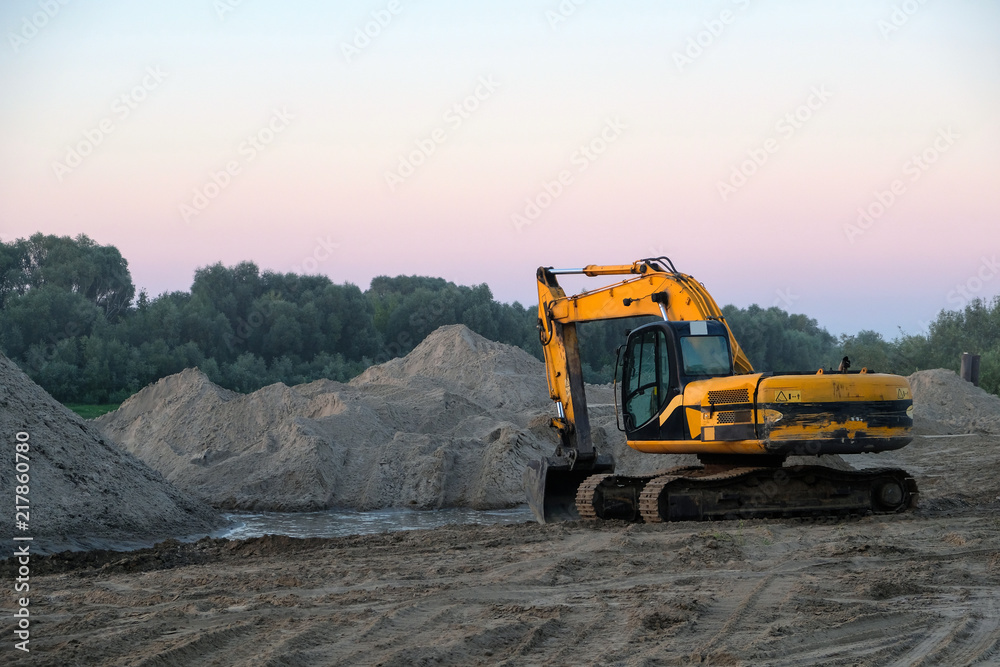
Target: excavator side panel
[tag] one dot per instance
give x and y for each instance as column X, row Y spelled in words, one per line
column 834, row 413
column 723, row 409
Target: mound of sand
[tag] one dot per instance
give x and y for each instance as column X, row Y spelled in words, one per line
column 494, row 375
column 451, row 424
column 945, row 403
column 412, row 432
column 82, row 489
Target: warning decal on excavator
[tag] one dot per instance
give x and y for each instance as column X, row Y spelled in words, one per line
column 902, row 393
column 788, row 396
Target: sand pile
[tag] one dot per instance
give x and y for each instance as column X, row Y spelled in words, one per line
column 493, row 374
column 945, row 403
column 83, row 490
column 451, row 424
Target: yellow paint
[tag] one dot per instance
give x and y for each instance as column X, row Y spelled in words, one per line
column 771, row 416
column 697, row 447
column 674, row 403
column 687, row 299
column 825, row 388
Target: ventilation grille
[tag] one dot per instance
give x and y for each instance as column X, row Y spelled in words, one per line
column 729, row 396
column 734, row 417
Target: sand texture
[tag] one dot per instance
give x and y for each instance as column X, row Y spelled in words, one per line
column 82, row 490
column 451, row 424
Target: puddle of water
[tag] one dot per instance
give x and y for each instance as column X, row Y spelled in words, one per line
column 340, row 523
column 329, row 523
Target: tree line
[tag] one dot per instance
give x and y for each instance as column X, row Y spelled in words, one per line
column 70, row 317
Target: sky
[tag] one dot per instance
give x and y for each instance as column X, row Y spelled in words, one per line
column 838, row 159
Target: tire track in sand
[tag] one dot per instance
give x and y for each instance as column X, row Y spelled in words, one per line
column 970, row 635
column 761, row 600
column 203, row 646
column 962, row 634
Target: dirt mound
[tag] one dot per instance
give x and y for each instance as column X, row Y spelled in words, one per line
column 492, row 374
column 451, row 424
column 417, row 432
column 82, row 489
column 945, row 403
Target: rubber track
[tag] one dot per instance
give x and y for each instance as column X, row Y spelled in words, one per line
column 649, row 500
column 585, row 496
column 587, row 491
column 652, row 492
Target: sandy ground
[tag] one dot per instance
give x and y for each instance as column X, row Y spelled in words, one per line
column 921, row 588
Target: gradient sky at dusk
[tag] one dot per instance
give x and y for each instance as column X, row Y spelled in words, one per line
column 826, row 107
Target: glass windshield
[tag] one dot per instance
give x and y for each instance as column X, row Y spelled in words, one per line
column 647, row 377
column 705, row 355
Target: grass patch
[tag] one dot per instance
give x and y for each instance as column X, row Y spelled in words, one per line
column 92, row 411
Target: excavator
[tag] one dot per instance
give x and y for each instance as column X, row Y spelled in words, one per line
column 686, row 387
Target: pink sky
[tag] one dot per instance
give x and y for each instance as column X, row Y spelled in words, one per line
column 825, row 108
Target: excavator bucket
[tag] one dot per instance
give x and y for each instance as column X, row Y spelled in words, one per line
column 551, row 485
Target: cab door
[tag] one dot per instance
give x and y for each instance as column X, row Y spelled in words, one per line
column 649, row 381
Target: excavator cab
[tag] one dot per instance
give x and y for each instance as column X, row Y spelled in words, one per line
column 659, row 360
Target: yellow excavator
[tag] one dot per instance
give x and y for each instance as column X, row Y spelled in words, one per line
column 686, row 387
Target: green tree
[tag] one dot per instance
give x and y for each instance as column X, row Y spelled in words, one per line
column 67, row 317
column 231, row 291
column 79, row 265
column 867, row 349
column 774, row 340
column 45, row 315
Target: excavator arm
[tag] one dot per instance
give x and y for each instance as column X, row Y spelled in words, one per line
column 653, row 287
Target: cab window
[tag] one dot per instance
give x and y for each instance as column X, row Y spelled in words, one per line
column 647, row 376
column 705, row 355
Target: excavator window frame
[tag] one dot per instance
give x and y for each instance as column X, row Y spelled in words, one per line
column 664, row 364
column 671, row 333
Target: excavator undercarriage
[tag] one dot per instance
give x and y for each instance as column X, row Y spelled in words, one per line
column 716, row 492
